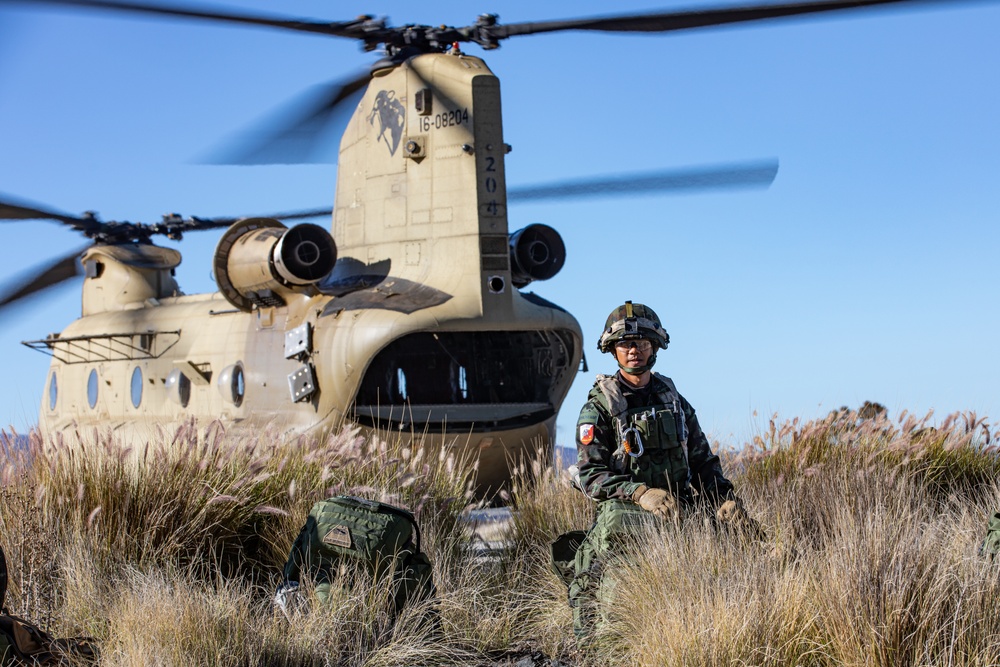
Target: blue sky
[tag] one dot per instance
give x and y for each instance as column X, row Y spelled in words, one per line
column 868, row 271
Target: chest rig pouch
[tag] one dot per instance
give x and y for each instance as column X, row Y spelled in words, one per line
column 652, row 440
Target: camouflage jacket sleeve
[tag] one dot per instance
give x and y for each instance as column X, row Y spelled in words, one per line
column 706, row 469
column 600, row 481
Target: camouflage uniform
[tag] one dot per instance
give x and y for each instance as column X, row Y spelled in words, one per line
column 676, row 456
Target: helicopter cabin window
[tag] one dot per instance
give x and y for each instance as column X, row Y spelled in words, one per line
column 92, row 388
column 232, row 385
column 178, row 387
column 53, row 391
column 461, row 374
column 136, row 387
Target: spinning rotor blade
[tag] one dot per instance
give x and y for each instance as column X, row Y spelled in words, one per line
column 294, row 135
column 50, row 275
column 752, row 174
column 303, row 215
column 291, row 136
column 673, row 181
column 332, row 28
column 697, row 18
column 199, row 224
column 487, row 32
column 172, row 226
column 10, row 211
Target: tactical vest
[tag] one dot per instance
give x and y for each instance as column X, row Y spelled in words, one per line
column 652, row 440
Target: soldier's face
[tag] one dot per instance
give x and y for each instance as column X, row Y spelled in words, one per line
column 634, row 353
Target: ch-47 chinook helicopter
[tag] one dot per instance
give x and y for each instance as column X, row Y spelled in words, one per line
column 410, row 318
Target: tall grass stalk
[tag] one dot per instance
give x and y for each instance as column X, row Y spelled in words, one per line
column 170, row 555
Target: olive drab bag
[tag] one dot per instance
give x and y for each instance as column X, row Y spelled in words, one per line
column 349, row 535
column 562, row 553
column 991, row 545
column 23, row 643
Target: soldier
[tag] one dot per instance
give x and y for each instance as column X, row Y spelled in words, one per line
column 641, row 454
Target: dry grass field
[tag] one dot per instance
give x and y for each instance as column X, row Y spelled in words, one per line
column 170, row 556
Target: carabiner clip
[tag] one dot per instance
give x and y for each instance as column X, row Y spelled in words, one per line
column 627, row 446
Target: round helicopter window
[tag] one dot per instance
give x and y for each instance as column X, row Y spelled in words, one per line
column 53, row 392
column 178, row 387
column 136, row 387
column 239, row 386
column 92, row 388
column 232, row 384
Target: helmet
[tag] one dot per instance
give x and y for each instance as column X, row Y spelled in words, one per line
column 632, row 321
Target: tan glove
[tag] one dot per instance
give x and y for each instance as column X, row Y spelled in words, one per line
column 733, row 516
column 658, row 501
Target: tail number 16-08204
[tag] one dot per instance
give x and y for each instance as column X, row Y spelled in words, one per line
column 446, row 119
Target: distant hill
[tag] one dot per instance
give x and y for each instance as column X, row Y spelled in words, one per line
column 565, row 456
column 12, row 443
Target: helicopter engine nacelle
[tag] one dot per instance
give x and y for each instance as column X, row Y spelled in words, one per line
column 537, row 252
column 260, row 262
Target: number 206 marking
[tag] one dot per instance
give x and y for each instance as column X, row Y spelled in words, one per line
column 447, row 119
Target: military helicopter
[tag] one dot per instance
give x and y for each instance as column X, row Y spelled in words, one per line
column 411, row 318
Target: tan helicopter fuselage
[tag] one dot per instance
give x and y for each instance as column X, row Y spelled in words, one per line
column 420, row 330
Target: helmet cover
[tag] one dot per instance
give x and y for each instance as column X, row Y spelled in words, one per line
column 631, row 322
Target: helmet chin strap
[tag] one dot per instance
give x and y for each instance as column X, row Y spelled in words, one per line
column 638, row 370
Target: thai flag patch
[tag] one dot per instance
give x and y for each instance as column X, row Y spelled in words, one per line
column 586, row 434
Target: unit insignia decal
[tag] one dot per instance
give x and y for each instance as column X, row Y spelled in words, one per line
column 391, row 116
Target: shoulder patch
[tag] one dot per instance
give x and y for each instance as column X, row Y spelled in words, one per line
column 586, row 434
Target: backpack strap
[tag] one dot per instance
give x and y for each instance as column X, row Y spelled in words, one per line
column 617, row 406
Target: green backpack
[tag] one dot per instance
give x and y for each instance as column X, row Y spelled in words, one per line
column 23, row 643
column 991, row 545
column 354, row 536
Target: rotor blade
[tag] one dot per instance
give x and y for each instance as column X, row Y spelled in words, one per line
column 697, row 18
column 303, row 215
column 292, row 135
column 59, row 271
column 751, row 174
column 336, row 29
column 9, row 211
column 746, row 175
column 213, row 223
